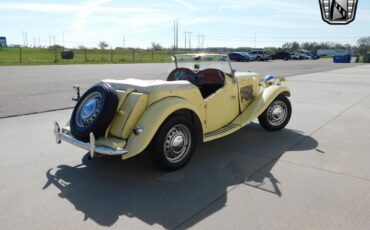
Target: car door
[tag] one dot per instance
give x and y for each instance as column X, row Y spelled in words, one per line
column 222, row 107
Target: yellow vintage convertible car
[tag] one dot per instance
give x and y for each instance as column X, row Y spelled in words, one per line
column 202, row 99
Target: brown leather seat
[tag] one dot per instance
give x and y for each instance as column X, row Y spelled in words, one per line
column 212, row 77
column 208, row 81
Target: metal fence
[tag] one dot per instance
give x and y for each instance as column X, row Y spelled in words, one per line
column 11, row 56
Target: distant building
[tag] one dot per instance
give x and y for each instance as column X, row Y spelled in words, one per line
column 3, row 42
column 333, row 52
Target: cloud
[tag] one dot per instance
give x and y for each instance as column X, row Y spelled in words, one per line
column 69, row 8
column 52, row 8
column 82, row 11
column 186, row 4
column 89, row 8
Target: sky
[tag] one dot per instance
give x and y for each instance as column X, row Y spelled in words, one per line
column 233, row 23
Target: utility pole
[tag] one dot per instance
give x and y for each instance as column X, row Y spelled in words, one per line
column 174, row 35
column 189, row 40
column 255, row 39
column 203, row 41
column 26, row 34
column 188, row 33
column 24, row 39
column 177, row 34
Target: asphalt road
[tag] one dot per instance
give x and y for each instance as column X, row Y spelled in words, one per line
column 314, row 174
column 33, row 89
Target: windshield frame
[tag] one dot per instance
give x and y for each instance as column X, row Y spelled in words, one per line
column 194, row 58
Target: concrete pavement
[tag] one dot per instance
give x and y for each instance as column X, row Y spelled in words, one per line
column 315, row 174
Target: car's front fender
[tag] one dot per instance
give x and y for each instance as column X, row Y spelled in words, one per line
column 152, row 119
column 260, row 104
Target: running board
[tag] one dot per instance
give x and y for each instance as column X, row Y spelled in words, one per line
column 224, row 131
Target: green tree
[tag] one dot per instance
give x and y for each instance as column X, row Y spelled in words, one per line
column 363, row 44
column 291, row 46
column 103, row 45
column 156, row 46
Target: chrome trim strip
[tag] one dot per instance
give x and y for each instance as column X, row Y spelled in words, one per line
column 59, row 136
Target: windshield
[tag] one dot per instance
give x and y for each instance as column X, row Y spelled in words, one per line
column 198, row 62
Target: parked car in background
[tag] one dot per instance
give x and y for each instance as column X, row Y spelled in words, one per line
column 304, row 57
column 294, row 56
column 307, row 55
column 249, row 56
column 239, row 57
column 281, row 55
column 259, row 55
column 315, row 56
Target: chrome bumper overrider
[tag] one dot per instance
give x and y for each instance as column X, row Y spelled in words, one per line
column 59, row 136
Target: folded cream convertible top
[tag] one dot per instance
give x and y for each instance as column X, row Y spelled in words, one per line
column 149, row 86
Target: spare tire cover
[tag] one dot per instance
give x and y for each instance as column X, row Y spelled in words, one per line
column 94, row 111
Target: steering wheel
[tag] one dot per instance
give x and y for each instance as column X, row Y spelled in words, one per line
column 181, row 74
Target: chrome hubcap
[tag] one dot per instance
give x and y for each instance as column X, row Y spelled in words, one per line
column 177, row 143
column 277, row 113
column 89, row 109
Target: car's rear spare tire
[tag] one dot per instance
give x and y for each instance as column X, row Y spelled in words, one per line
column 94, row 111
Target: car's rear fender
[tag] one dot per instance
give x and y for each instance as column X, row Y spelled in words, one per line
column 260, row 104
column 153, row 118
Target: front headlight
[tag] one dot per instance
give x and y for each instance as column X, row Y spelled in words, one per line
column 268, row 80
column 272, row 80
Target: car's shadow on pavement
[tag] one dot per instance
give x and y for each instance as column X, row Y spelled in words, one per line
column 107, row 188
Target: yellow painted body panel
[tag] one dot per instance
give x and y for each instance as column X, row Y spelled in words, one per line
column 254, row 110
column 132, row 107
column 253, row 82
column 222, row 106
column 260, row 104
column 152, row 119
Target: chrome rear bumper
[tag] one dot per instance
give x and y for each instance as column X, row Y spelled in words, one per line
column 90, row 146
